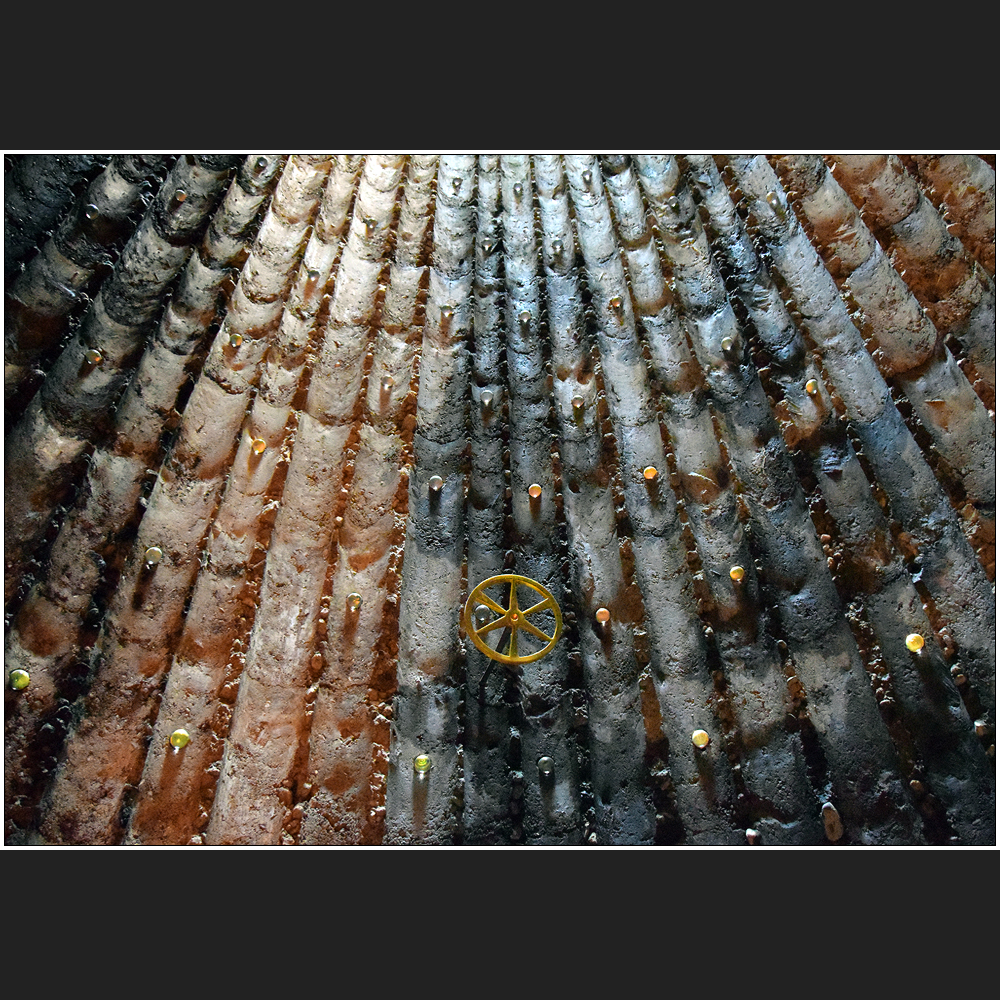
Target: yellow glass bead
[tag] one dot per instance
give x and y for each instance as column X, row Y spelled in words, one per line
column 435, row 483
column 19, row 679
column 650, row 472
column 578, row 403
column 153, row 555
column 387, row 382
column 727, row 344
column 603, row 615
column 93, row 356
column 737, row 573
column 700, row 739
column 812, row 387
column 616, row 302
column 914, row 642
column 258, row 445
column 486, row 399
column 235, row 340
column 354, row 601
column 534, row 491
column 180, row 738
column 421, row 763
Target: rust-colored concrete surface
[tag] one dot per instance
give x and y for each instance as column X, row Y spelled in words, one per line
column 270, row 420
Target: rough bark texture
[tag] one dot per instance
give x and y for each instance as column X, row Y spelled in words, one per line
column 938, row 548
column 50, row 632
column 37, row 191
column 770, row 765
column 425, row 807
column 72, row 409
column 147, row 610
column 734, row 420
column 349, row 738
column 964, row 188
column 54, row 283
column 959, row 297
column 908, row 349
column 270, row 718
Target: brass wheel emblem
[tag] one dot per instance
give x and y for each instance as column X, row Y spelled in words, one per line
column 514, row 620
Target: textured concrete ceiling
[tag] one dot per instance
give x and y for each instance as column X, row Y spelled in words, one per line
column 272, row 420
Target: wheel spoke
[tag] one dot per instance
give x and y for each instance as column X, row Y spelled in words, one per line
column 540, row 606
column 512, row 650
column 513, row 595
column 490, row 603
column 537, row 632
column 496, row 623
